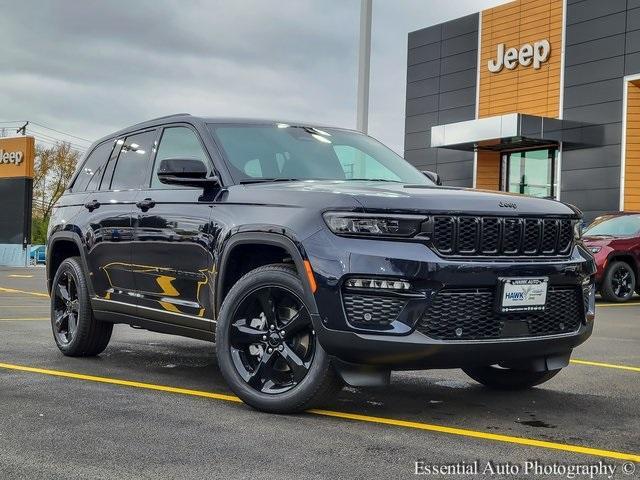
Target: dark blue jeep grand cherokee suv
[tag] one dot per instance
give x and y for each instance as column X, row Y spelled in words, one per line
column 312, row 256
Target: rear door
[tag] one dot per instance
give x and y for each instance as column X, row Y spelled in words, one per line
column 109, row 235
column 173, row 241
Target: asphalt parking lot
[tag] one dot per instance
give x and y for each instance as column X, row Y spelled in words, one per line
column 155, row 406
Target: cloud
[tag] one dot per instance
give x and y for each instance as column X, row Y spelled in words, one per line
column 93, row 67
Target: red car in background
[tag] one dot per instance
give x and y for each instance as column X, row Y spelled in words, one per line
column 614, row 240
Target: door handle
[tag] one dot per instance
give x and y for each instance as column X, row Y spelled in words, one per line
column 146, row 204
column 92, row 205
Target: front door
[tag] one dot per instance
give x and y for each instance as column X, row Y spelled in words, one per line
column 530, row 172
column 173, row 241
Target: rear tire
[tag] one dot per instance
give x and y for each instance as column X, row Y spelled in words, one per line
column 507, row 378
column 282, row 369
column 75, row 329
column 619, row 282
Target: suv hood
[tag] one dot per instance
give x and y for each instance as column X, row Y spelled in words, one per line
column 399, row 197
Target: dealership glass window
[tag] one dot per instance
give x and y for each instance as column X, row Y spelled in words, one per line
column 530, row 172
column 131, row 166
column 91, row 172
column 177, row 142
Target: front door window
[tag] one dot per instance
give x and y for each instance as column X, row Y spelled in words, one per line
column 530, row 173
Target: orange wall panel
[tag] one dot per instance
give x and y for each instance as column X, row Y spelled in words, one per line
column 523, row 89
column 488, row 170
column 632, row 149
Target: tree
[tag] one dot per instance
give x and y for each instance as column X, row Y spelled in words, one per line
column 53, row 169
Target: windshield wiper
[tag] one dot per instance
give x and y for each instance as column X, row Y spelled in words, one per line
column 267, row 180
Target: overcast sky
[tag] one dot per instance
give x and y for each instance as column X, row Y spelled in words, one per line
column 92, row 67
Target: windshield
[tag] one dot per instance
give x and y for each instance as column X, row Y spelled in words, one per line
column 615, row 226
column 286, row 152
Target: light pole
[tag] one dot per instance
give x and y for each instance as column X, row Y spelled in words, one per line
column 364, row 63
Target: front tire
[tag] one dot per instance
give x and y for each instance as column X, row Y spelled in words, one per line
column 508, row 379
column 266, row 346
column 75, row 329
column 619, row 282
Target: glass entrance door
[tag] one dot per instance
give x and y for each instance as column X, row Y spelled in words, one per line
column 530, row 172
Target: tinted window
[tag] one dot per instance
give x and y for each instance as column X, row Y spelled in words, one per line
column 131, row 166
column 89, row 176
column 357, row 164
column 299, row 152
column 615, row 226
column 177, row 142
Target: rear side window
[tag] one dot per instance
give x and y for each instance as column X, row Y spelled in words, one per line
column 91, row 172
column 177, row 142
column 133, row 161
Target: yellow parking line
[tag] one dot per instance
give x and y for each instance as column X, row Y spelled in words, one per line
column 22, row 319
column 605, row 365
column 344, row 415
column 13, row 290
column 627, row 304
column 20, row 276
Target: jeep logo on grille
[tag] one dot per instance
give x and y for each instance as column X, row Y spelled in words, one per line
column 508, row 205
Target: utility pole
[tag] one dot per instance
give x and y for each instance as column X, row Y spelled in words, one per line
column 364, row 63
column 23, row 129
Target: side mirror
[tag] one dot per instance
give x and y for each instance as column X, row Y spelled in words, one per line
column 185, row 171
column 433, row 176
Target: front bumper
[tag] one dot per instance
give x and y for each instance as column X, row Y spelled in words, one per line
column 401, row 345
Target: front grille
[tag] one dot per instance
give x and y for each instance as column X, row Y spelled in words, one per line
column 502, row 236
column 470, row 315
column 371, row 310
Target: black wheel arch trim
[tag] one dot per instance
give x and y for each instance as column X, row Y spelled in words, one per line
column 74, row 238
column 296, row 251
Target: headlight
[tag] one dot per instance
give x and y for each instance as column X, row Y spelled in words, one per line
column 577, row 230
column 595, row 249
column 342, row 223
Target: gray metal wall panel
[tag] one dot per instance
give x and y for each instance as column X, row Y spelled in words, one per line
column 589, row 9
column 458, row 98
column 589, row 158
column 422, row 88
column 633, row 42
column 633, row 19
column 459, row 114
column 596, row 28
column 460, row 26
column 609, row 112
column 461, row 44
column 594, row 50
column 598, row 178
column 595, row 92
column 423, row 70
column 424, row 53
column 417, row 106
column 461, row 61
column 594, row 71
column 459, row 80
column 425, row 36
column 441, row 88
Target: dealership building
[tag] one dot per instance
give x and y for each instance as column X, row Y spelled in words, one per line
column 540, row 97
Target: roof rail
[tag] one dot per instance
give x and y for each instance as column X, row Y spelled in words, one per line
column 167, row 116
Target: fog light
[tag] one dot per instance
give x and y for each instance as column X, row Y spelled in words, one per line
column 378, row 284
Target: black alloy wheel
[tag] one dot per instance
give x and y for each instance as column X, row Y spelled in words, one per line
column 66, row 308
column 272, row 339
column 619, row 282
column 76, row 330
column 266, row 345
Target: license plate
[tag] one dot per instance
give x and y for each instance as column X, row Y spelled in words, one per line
column 522, row 294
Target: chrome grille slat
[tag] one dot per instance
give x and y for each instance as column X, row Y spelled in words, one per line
column 471, row 236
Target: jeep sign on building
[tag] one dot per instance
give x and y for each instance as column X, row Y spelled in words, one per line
column 540, row 97
column 16, row 189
